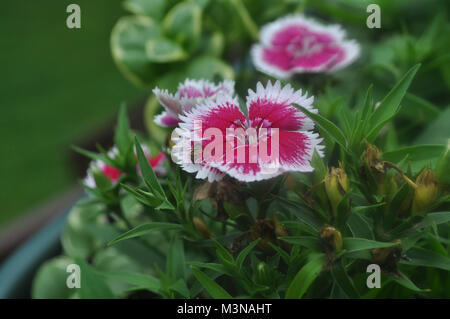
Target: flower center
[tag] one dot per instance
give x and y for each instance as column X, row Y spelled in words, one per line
column 304, row 46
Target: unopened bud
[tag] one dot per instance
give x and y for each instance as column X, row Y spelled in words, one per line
column 330, row 239
column 372, row 158
column 426, row 191
column 336, row 186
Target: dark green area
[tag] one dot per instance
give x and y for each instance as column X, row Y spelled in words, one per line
column 57, row 85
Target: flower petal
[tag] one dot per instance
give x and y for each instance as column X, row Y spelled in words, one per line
column 296, row 150
column 296, row 44
column 272, row 106
column 170, row 102
column 221, row 114
column 166, row 119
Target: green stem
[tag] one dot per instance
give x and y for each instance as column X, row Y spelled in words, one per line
column 247, row 20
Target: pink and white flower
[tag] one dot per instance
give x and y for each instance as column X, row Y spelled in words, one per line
column 207, row 142
column 113, row 173
column 295, row 44
column 187, row 96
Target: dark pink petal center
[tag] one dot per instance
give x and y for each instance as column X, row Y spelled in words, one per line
column 296, row 46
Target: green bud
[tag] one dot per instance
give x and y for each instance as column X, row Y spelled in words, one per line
column 336, row 186
column 425, row 193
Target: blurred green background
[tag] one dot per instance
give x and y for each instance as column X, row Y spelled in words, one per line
column 57, row 85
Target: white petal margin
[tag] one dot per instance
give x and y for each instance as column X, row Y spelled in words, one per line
column 257, row 52
column 269, row 30
column 285, row 95
column 352, row 52
column 169, row 101
column 314, row 144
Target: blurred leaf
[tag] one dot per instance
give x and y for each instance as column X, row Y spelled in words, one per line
column 210, row 285
column 437, row 132
column 175, row 259
column 50, row 279
column 443, row 166
column 183, row 23
column 163, row 50
column 209, row 67
column 122, row 138
column 128, row 47
column 145, row 229
column 92, row 285
column 153, row 8
column 418, row 156
column 135, row 279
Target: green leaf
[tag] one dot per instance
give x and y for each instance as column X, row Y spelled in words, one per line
column 212, row 266
column 423, row 257
column 147, row 172
column 164, row 50
column 305, row 241
column 241, row 257
column 225, row 256
column 356, row 244
column 145, row 229
column 418, row 155
column 94, row 156
column 359, row 226
column 209, row 67
column 333, row 131
column 122, row 136
column 305, row 277
column 407, row 283
column 135, row 279
column 175, row 259
column 92, row 285
column 180, row 287
column 143, row 197
column 183, row 23
column 210, row 285
column 49, row 281
column 390, row 105
column 342, row 279
column 319, row 167
column 443, row 166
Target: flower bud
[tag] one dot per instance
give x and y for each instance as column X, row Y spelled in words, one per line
column 330, row 239
column 387, row 257
column 336, row 186
column 372, row 158
column 263, row 274
column 425, row 193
